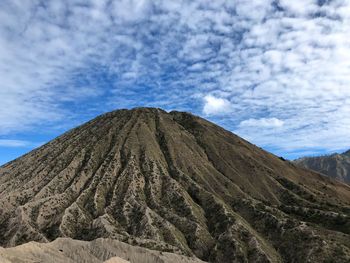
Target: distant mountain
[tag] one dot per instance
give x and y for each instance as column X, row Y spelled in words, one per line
column 336, row 166
column 176, row 183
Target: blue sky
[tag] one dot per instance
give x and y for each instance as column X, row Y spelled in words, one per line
column 276, row 72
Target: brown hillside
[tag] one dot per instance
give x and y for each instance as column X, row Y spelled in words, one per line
column 173, row 182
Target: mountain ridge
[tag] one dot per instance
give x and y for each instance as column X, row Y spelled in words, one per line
column 173, row 182
column 335, row 165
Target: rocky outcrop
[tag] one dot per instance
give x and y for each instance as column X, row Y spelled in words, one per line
column 176, row 183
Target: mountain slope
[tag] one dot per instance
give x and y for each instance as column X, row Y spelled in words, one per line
column 173, row 182
column 336, row 166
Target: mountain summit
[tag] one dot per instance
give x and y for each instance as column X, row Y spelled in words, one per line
column 173, row 182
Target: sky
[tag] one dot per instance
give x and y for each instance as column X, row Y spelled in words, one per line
column 275, row 72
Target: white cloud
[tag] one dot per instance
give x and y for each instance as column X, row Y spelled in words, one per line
column 299, row 7
column 262, row 123
column 215, row 106
column 130, row 10
column 15, row 143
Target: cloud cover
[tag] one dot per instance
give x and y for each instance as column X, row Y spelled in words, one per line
column 276, row 72
column 215, row 106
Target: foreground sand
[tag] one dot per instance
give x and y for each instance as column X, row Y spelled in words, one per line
column 66, row 250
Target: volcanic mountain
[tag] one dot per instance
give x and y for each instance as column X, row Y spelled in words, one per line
column 336, row 165
column 173, row 182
